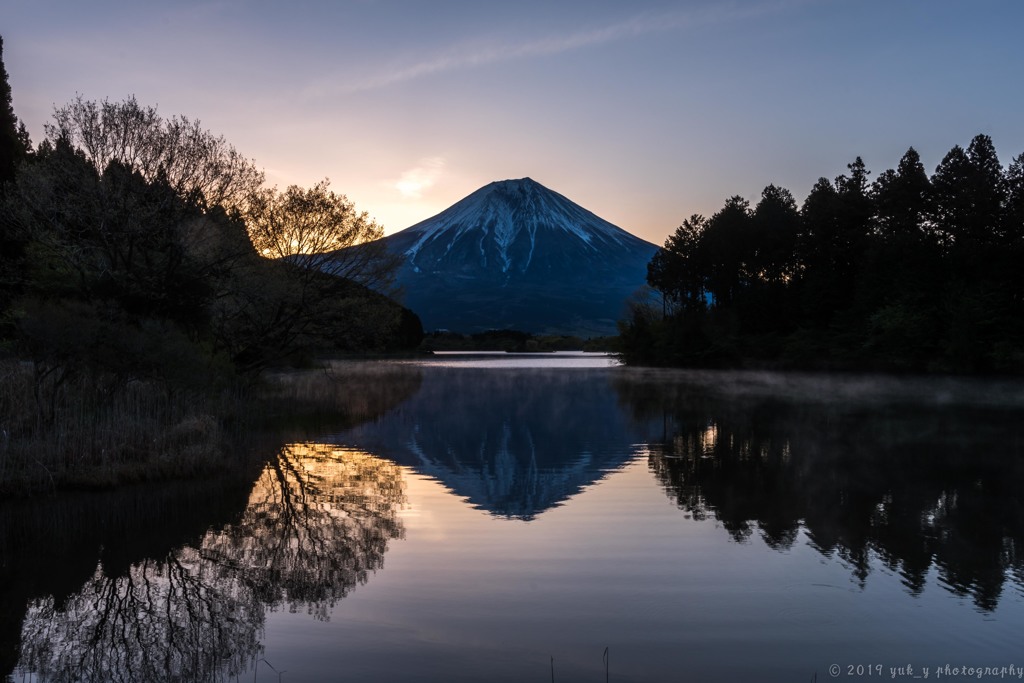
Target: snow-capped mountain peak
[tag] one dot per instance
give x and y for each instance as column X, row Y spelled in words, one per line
column 500, row 226
column 515, row 254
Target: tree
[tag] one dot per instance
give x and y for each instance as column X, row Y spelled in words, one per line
column 677, row 269
column 902, row 269
column 728, row 251
column 906, row 273
column 857, row 211
column 905, row 248
column 1013, row 218
column 140, row 231
column 774, row 229
column 835, row 234
column 108, row 255
column 198, row 166
column 14, row 141
column 304, row 226
column 901, row 199
column 1013, row 232
column 775, row 226
column 316, row 284
column 14, row 148
column 969, row 193
column 818, row 253
column 981, row 293
column 987, row 188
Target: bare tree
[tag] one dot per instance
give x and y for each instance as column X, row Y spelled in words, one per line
column 305, row 226
column 195, row 163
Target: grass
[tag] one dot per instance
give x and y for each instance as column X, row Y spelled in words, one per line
column 74, row 432
column 85, row 432
column 349, row 391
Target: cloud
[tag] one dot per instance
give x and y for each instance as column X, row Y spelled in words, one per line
column 469, row 56
column 414, row 182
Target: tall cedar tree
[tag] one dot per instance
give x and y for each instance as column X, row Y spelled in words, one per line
column 907, row 273
column 13, row 138
column 14, row 147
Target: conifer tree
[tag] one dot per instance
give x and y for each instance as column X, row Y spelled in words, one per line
column 14, row 146
column 13, row 137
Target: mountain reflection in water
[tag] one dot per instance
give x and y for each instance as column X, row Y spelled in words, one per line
column 542, row 525
column 512, row 442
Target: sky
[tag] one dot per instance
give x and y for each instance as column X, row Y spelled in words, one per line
column 644, row 112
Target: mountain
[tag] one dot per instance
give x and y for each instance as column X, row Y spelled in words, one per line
column 517, row 255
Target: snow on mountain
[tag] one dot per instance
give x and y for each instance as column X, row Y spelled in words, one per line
column 498, row 227
column 517, row 255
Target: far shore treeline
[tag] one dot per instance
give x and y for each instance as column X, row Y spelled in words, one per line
column 906, row 273
column 146, row 273
column 150, row 282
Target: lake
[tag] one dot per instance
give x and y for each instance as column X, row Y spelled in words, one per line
column 555, row 517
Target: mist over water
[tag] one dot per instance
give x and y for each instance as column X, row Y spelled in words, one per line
column 505, row 511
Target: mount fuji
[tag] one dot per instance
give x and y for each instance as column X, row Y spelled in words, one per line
column 516, row 255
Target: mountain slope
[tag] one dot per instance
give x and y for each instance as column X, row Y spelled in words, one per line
column 515, row 254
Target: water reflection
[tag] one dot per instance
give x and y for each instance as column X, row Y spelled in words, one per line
column 50, row 549
column 317, row 523
column 917, row 480
column 512, row 442
column 925, row 477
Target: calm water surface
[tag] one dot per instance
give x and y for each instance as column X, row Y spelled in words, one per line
column 510, row 517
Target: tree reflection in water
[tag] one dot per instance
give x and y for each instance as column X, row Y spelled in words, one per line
column 908, row 481
column 318, row 522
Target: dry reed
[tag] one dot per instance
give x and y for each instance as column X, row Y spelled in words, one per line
column 79, row 433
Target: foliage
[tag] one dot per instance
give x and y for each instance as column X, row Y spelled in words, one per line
column 129, row 262
column 14, row 140
column 138, row 234
column 905, row 273
column 301, row 226
column 15, row 147
column 198, row 166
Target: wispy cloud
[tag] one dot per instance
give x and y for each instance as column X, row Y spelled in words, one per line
column 469, row 56
column 414, row 182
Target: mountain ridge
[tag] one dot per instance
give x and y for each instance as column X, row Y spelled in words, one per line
column 514, row 254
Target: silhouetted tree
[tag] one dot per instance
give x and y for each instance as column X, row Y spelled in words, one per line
column 140, row 237
column 200, row 167
column 820, row 251
column 108, row 259
column 969, row 195
column 906, row 273
column 14, row 141
column 902, row 268
column 14, row 148
column 677, row 269
column 969, row 199
column 1013, row 232
column 901, row 201
column 728, row 251
column 1013, row 219
column 774, row 230
column 301, row 226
